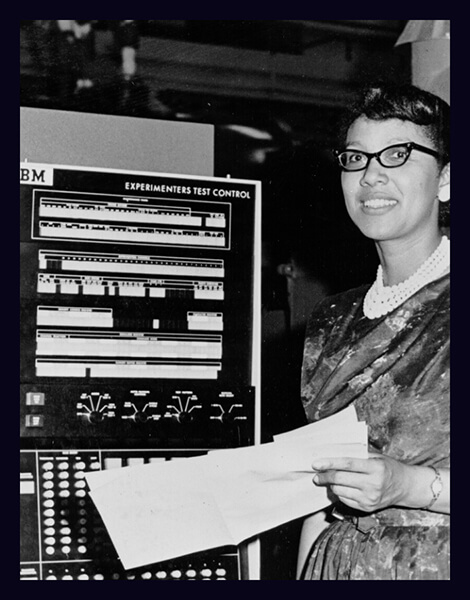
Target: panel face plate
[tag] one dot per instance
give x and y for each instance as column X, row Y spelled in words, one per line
column 140, row 317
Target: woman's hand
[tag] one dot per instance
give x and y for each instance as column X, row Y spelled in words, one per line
column 364, row 484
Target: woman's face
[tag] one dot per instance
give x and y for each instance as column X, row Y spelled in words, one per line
column 390, row 204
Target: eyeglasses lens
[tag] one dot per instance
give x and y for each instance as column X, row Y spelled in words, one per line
column 394, row 157
column 352, row 160
column 355, row 160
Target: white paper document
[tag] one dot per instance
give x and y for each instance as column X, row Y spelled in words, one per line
column 160, row 511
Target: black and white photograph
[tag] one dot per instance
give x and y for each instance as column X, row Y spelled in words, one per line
column 234, row 319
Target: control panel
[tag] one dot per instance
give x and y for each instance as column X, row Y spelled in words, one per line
column 157, row 416
column 63, row 537
column 139, row 342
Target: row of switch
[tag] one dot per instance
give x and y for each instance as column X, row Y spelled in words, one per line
column 67, row 527
column 205, row 573
column 61, row 480
column 70, row 530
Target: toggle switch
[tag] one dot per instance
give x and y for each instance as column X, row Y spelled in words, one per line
column 35, row 399
column 34, row 421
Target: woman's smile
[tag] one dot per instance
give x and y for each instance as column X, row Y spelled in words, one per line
column 377, row 205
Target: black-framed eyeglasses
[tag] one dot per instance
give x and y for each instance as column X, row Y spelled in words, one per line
column 390, row 157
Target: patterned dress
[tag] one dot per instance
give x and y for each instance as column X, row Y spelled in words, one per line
column 395, row 370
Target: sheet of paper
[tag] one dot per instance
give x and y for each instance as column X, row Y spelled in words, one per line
column 342, row 426
column 263, row 487
column 154, row 514
column 335, row 424
column 159, row 511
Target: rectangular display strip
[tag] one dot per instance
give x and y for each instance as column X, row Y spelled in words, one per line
column 128, row 344
column 129, row 213
column 130, row 235
column 75, row 316
column 208, row 321
column 129, row 263
column 57, row 367
column 55, row 283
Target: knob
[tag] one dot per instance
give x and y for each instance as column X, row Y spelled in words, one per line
column 96, row 417
column 184, row 417
column 140, row 417
column 228, row 418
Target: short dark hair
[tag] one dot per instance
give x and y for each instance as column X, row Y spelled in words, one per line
column 406, row 102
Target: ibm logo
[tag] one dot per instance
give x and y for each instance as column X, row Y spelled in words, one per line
column 36, row 175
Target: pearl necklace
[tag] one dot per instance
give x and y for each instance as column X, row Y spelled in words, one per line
column 381, row 299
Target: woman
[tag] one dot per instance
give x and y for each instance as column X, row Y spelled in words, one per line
column 385, row 348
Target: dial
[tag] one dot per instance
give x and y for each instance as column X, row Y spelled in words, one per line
column 228, row 417
column 95, row 416
column 140, row 409
column 184, row 417
column 141, row 417
column 95, row 407
column 183, row 406
column 227, row 410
